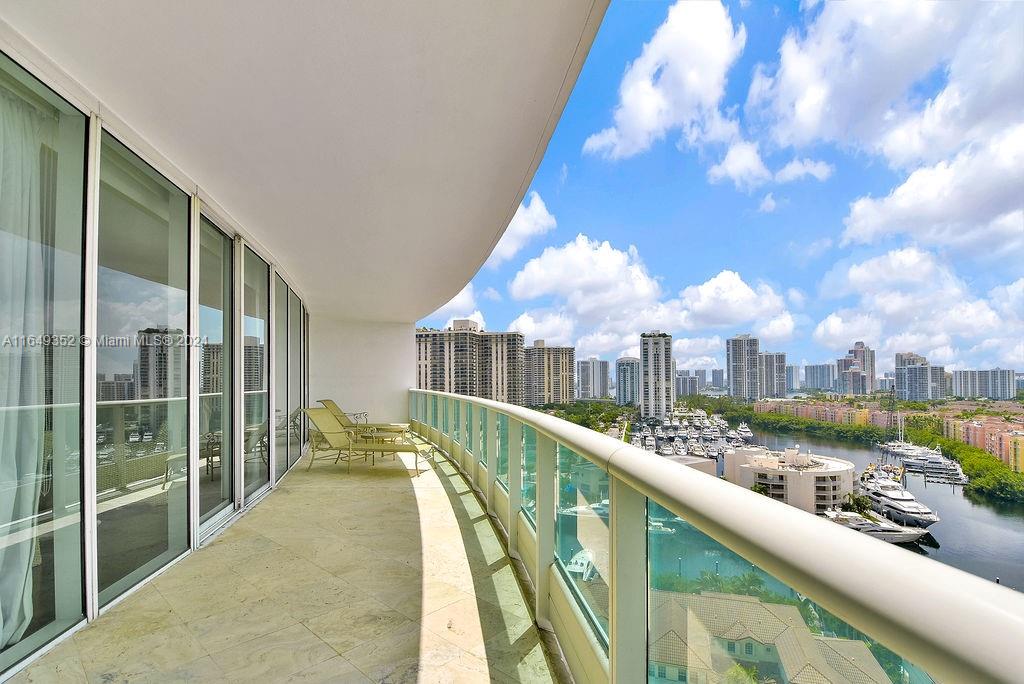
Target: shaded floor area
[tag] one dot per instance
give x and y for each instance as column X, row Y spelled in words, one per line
column 368, row 576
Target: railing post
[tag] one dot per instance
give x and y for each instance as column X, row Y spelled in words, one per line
column 472, row 443
column 429, row 422
column 515, row 484
column 546, row 488
column 627, row 657
column 492, row 457
column 444, row 425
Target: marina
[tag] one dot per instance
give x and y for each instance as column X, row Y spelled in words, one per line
column 980, row 537
column 907, row 484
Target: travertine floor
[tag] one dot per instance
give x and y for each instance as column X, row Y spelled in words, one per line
column 335, row 577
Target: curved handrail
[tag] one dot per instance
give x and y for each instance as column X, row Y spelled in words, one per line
column 957, row 626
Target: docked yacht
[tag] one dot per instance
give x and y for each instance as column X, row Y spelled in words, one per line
column 744, row 433
column 892, row 500
column 582, row 564
column 658, row 527
column 731, row 435
column 931, row 462
column 879, row 528
column 666, row 449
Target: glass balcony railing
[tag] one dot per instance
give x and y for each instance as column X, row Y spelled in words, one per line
column 647, row 569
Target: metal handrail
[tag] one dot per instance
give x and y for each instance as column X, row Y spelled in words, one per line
column 955, row 625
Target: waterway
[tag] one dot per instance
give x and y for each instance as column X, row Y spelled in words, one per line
column 981, row 537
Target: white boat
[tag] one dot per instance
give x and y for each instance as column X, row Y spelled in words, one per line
column 134, row 437
column 744, row 433
column 582, row 564
column 732, row 435
column 656, row 527
column 697, row 450
column 879, row 528
column 892, row 500
column 666, row 449
column 931, row 463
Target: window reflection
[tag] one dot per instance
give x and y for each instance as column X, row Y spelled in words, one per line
column 255, row 324
column 280, row 377
column 42, row 161
column 142, row 371
column 215, row 286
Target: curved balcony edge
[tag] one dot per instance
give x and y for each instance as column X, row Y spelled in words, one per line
column 955, row 625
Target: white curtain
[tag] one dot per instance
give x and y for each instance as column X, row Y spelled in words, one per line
column 23, row 130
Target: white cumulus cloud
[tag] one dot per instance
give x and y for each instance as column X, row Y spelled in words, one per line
column 555, row 328
column 976, row 201
column 530, row 220
column 459, row 306
column 742, row 165
column 798, row 168
column 593, row 278
column 677, row 82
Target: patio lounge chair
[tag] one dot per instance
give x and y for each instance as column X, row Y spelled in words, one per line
column 347, row 444
column 346, row 420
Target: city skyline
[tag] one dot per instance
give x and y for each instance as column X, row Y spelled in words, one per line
column 740, row 209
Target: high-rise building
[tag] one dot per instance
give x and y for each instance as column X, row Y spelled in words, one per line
column 550, row 374
column 909, row 359
column 997, row 383
column 121, row 388
column 657, row 384
column 463, row 359
column 627, row 381
column 792, row 378
column 856, row 371
column 887, row 382
column 741, row 360
column 771, row 375
column 253, row 361
column 865, row 358
column 592, row 378
column 718, row 377
column 702, row 378
column 162, row 363
column 917, row 380
column 212, row 365
column 502, row 359
column 820, row 376
column 687, row 385
column 449, row 360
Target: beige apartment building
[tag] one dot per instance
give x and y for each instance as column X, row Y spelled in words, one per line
column 550, row 376
column 464, row 359
column 807, row 481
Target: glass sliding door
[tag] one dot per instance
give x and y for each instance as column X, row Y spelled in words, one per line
column 255, row 329
column 142, row 373
column 280, row 377
column 215, row 372
column 295, row 375
column 42, row 164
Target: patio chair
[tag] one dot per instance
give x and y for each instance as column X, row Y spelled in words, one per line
column 346, row 420
column 347, row 444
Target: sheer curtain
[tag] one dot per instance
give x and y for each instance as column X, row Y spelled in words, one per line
column 23, row 304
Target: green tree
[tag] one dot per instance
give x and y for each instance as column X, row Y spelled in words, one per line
column 741, row 674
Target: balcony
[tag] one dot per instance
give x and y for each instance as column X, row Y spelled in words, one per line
column 537, row 550
column 374, row 575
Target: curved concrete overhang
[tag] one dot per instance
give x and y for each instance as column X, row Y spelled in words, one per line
column 377, row 150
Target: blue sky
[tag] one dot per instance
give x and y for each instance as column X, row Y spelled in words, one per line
column 814, row 174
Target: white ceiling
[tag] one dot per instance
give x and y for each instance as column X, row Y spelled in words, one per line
column 376, row 149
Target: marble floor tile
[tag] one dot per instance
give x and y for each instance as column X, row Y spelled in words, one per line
column 377, row 576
